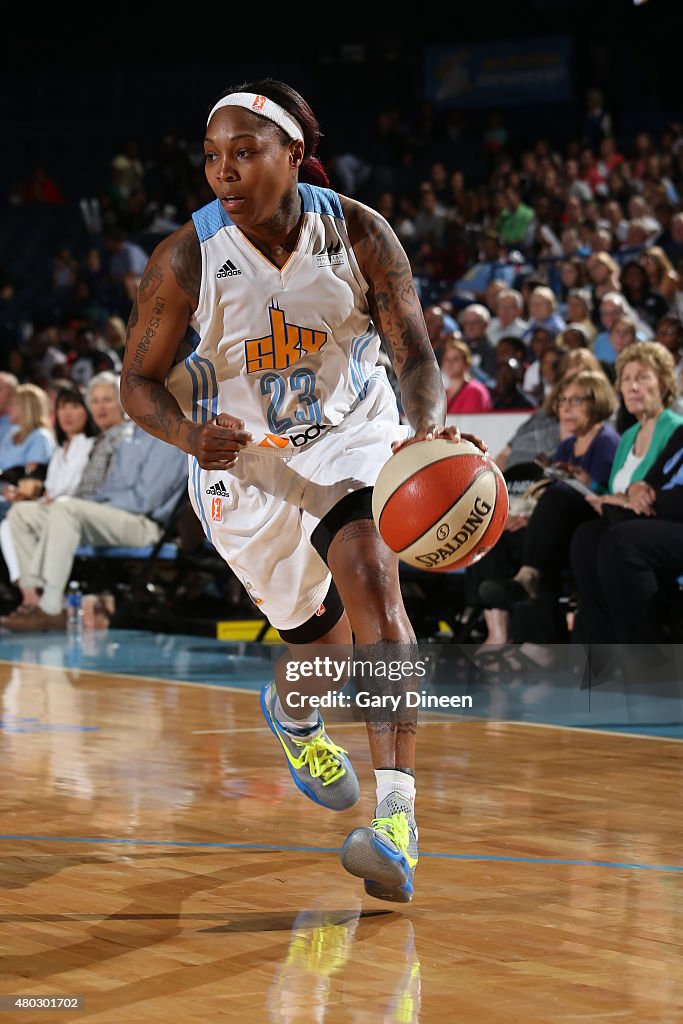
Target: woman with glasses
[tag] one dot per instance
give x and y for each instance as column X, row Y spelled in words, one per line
column 583, row 403
column 647, row 384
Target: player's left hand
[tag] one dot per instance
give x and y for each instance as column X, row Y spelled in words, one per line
column 447, row 433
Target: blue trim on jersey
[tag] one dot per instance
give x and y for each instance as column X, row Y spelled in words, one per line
column 209, row 220
column 203, row 376
column 204, row 407
column 320, row 200
column 358, row 346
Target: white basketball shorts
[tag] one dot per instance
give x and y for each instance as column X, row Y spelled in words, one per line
column 260, row 515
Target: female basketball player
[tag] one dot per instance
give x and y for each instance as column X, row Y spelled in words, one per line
column 287, row 290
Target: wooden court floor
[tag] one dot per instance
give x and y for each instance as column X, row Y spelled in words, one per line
column 158, row 863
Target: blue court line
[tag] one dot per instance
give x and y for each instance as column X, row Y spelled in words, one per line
column 335, row 849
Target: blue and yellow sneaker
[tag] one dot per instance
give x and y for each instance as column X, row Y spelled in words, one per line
column 385, row 853
column 318, row 766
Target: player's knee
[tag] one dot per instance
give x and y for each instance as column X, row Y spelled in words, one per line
column 369, row 580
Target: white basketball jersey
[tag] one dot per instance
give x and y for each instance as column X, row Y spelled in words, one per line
column 289, row 350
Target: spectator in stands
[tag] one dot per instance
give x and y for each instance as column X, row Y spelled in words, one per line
column 612, row 306
column 543, row 312
column 554, row 362
column 48, row 360
column 508, row 321
column 542, row 339
column 75, row 432
column 575, row 336
column 430, row 219
column 639, row 210
column 572, row 274
column 637, row 237
column 491, row 293
column 572, row 244
column 626, row 565
column 136, row 501
column 440, row 326
column 660, row 272
column 103, row 401
column 648, row 304
column 507, row 393
column 28, row 449
column 538, row 435
column 573, row 183
column 580, row 310
column 673, row 246
column 114, row 335
column 587, row 440
column 510, row 347
column 541, row 241
column 515, row 218
column 613, row 218
column 602, row 239
column 92, row 355
column 8, row 387
column 463, row 393
column 623, row 333
column 474, row 322
column 604, row 275
column 646, row 380
column 669, row 333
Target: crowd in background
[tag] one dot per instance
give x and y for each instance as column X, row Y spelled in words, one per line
column 543, row 275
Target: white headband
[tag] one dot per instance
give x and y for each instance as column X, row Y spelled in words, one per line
column 263, row 106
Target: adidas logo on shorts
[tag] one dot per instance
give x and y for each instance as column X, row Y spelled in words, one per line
column 218, row 489
column 228, row 270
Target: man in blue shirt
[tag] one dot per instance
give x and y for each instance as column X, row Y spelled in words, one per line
column 131, row 509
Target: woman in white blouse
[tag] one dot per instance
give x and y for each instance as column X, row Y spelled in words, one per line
column 75, row 433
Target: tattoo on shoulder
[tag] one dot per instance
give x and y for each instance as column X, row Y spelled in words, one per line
column 186, row 263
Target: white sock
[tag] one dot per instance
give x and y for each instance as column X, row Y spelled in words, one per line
column 294, row 724
column 391, row 781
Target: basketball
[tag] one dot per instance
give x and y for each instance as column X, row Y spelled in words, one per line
column 440, row 504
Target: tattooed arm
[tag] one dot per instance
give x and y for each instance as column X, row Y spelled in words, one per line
column 397, row 314
column 166, row 299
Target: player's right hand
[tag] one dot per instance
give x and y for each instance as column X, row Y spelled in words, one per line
column 217, row 444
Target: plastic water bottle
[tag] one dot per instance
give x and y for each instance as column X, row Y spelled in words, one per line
column 74, row 611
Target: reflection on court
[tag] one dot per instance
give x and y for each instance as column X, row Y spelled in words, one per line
column 157, row 860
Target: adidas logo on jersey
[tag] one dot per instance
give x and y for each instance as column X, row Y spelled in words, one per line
column 220, row 489
column 228, row 270
column 332, row 256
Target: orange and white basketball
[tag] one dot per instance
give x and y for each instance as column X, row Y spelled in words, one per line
column 440, row 504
